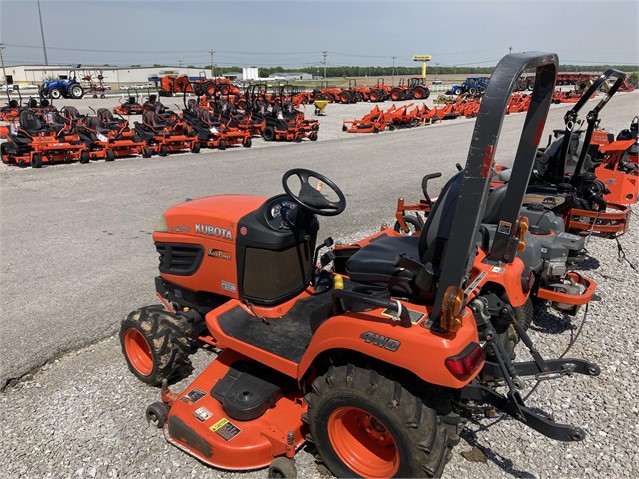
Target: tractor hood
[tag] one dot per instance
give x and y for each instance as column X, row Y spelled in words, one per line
column 211, row 216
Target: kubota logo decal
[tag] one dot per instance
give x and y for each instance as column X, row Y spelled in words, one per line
column 213, row 231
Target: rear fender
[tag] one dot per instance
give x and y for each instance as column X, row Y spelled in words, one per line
column 509, row 276
column 416, row 348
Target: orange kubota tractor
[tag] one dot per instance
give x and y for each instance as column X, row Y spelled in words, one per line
column 377, row 369
column 171, row 84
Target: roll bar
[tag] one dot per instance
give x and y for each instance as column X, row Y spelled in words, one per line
column 479, row 165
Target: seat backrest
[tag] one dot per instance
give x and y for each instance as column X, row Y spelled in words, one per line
column 436, row 232
column 105, row 115
column 493, row 205
column 71, row 112
column 29, row 121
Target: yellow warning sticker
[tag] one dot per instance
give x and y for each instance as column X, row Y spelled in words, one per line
column 219, row 424
column 225, row 429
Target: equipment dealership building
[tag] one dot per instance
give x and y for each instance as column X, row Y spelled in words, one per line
column 122, row 76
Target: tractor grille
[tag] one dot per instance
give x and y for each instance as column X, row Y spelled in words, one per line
column 179, row 259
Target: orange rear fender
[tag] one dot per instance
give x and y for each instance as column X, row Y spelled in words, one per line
column 416, row 349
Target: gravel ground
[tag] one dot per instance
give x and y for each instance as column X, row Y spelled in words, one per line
column 82, row 415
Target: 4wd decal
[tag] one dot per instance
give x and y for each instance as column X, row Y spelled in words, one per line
column 380, row 341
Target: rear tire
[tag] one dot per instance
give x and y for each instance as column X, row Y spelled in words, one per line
column 524, row 314
column 155, row 344
column 345, row 97
column 36, row 161
column 365, row 424
column 76, row 92
column 268, row 133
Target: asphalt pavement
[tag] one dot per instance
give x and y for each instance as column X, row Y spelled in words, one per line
column 76, row 247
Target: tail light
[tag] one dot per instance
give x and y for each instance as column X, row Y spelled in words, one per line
column 467, row 362
column 452, row 306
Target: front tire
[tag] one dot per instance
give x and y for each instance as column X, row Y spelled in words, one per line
column 55, row 93
column 155, row 344
column 365, row 424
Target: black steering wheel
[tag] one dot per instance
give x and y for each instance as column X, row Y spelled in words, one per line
column 310, row 197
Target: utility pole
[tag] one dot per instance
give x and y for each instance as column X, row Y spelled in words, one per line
column 4, row 73
column 212, row 52
column 324, row 62
column 510, row 49
column 393, row 74
column 44, row 47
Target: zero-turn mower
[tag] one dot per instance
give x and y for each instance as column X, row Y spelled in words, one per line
column 164, row 133
column 563, row 180
column 108, row 138
column 30, row 141
column 129, row 106
column 378, row 369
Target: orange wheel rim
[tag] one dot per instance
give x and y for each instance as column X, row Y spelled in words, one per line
column 138, row 351
column 363, row 443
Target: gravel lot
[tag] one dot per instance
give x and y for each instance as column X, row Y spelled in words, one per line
column 82, row 414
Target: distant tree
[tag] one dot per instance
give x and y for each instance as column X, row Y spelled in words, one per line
column 135, row 66
column 633, row 78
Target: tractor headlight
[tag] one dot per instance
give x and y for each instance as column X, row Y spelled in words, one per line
column 161, row 226
column 452, row 306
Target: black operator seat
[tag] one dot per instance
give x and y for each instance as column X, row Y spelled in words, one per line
column 375, row 263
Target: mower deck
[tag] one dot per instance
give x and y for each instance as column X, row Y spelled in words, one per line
column 198, row 424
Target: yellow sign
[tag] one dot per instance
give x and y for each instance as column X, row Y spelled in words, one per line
column 422, row 58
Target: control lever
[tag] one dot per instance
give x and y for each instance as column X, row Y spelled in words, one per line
column 327, row 243
column 339, row 306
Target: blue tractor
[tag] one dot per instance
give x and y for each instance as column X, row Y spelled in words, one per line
column 472, row 86
column 62, row 87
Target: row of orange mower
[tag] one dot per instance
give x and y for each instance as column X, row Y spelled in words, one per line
column 413, row 89
column 403, row 117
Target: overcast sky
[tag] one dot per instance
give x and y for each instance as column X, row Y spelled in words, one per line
column 294, row 34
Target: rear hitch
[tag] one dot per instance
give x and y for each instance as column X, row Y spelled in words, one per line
column 503, row 372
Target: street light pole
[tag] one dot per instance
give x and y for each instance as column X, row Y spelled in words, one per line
column 212, row 52
column 44, row 47
column 324, row 62
column 4, row 73
column 393, row 74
